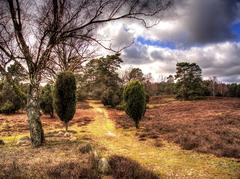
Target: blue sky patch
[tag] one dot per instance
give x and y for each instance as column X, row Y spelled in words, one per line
column 236, row 30
column 156, row 43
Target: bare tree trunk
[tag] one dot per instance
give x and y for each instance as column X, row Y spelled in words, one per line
column 66, row 126
column 137, row 124
column 33, row 112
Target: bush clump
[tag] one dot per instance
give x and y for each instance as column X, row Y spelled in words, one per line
column 65, row 97
column 7, row 108
column 46, row 100
column 110, row 98
column 123, row 167
column 135, row 99
column 11, row 98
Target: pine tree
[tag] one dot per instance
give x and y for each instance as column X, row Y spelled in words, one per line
column 135, row 98
column 65, row 97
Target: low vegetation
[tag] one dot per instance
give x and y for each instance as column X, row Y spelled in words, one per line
column 12, row 98
column 123, row 167
column 46, row 100
column 61, row 157
column 208, row 126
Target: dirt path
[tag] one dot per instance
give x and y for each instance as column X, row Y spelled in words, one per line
column 169, row 161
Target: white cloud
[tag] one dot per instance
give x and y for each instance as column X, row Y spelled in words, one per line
column 200, row 31
column 221, row 60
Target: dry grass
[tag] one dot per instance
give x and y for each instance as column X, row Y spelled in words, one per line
column 53, row 160
column 60, row 156
column 168, row 161
column 209, row 126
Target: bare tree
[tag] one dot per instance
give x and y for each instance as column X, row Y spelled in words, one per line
column 214, row 84
column 68, row 56
column 31, row 30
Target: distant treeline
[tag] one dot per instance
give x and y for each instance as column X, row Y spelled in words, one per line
column 100, row 79
column 211, row 88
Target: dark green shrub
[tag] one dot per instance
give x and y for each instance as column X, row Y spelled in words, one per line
column 81, row 94
column 46, row 100
column 65, row 96
column 110, row 98
column 11, row 98
column 121, row 106
column 135, row 98
column 147, row 98
column 7, row 108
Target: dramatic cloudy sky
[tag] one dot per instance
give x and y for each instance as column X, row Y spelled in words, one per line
column 203, row 31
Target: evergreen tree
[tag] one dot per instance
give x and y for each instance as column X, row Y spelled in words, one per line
column 189, row 81
column 135, row 98
column 65, row 97
column 102, row 79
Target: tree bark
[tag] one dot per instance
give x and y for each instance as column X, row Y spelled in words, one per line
column 137, row 124
column 66, row 126
column 33, row 112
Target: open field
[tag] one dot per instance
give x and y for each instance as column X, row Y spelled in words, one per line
column 208, row 129
column 208, row 126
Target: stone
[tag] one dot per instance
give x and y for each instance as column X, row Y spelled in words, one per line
column 60, row 133
column 25, row 138
column 67, row 134
column 2, row 142
column 103, row 166
column 87, row 148
column 24, row 141
column 110, row 134
column 73, row 139
column 95, row 155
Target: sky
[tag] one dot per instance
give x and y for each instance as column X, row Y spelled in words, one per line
column 206, row 32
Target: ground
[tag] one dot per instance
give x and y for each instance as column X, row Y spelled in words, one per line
column 208, row 129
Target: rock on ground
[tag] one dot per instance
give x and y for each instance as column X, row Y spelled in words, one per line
column 86, row 148
column 110, row 134
column 2, row 142
column 24, row 141
column 103, row 166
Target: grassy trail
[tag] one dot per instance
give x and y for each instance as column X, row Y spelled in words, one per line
column 168, row 161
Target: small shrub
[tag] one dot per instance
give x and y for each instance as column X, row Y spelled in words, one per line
column 147, row 98
column 121, row 106
column 65, row 97
column 135, row 98
column 46, row 100
column 81, row 95
column 72, row 169
column 110, row 97
column 123, row 167
column 7, row 108
column 11, row 98
column 10, row 170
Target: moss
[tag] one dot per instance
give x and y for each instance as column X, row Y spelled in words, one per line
column 13, row 139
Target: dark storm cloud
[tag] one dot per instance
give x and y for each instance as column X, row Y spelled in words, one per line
column 209, row 21
column 156, row 55
column 136, row 54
